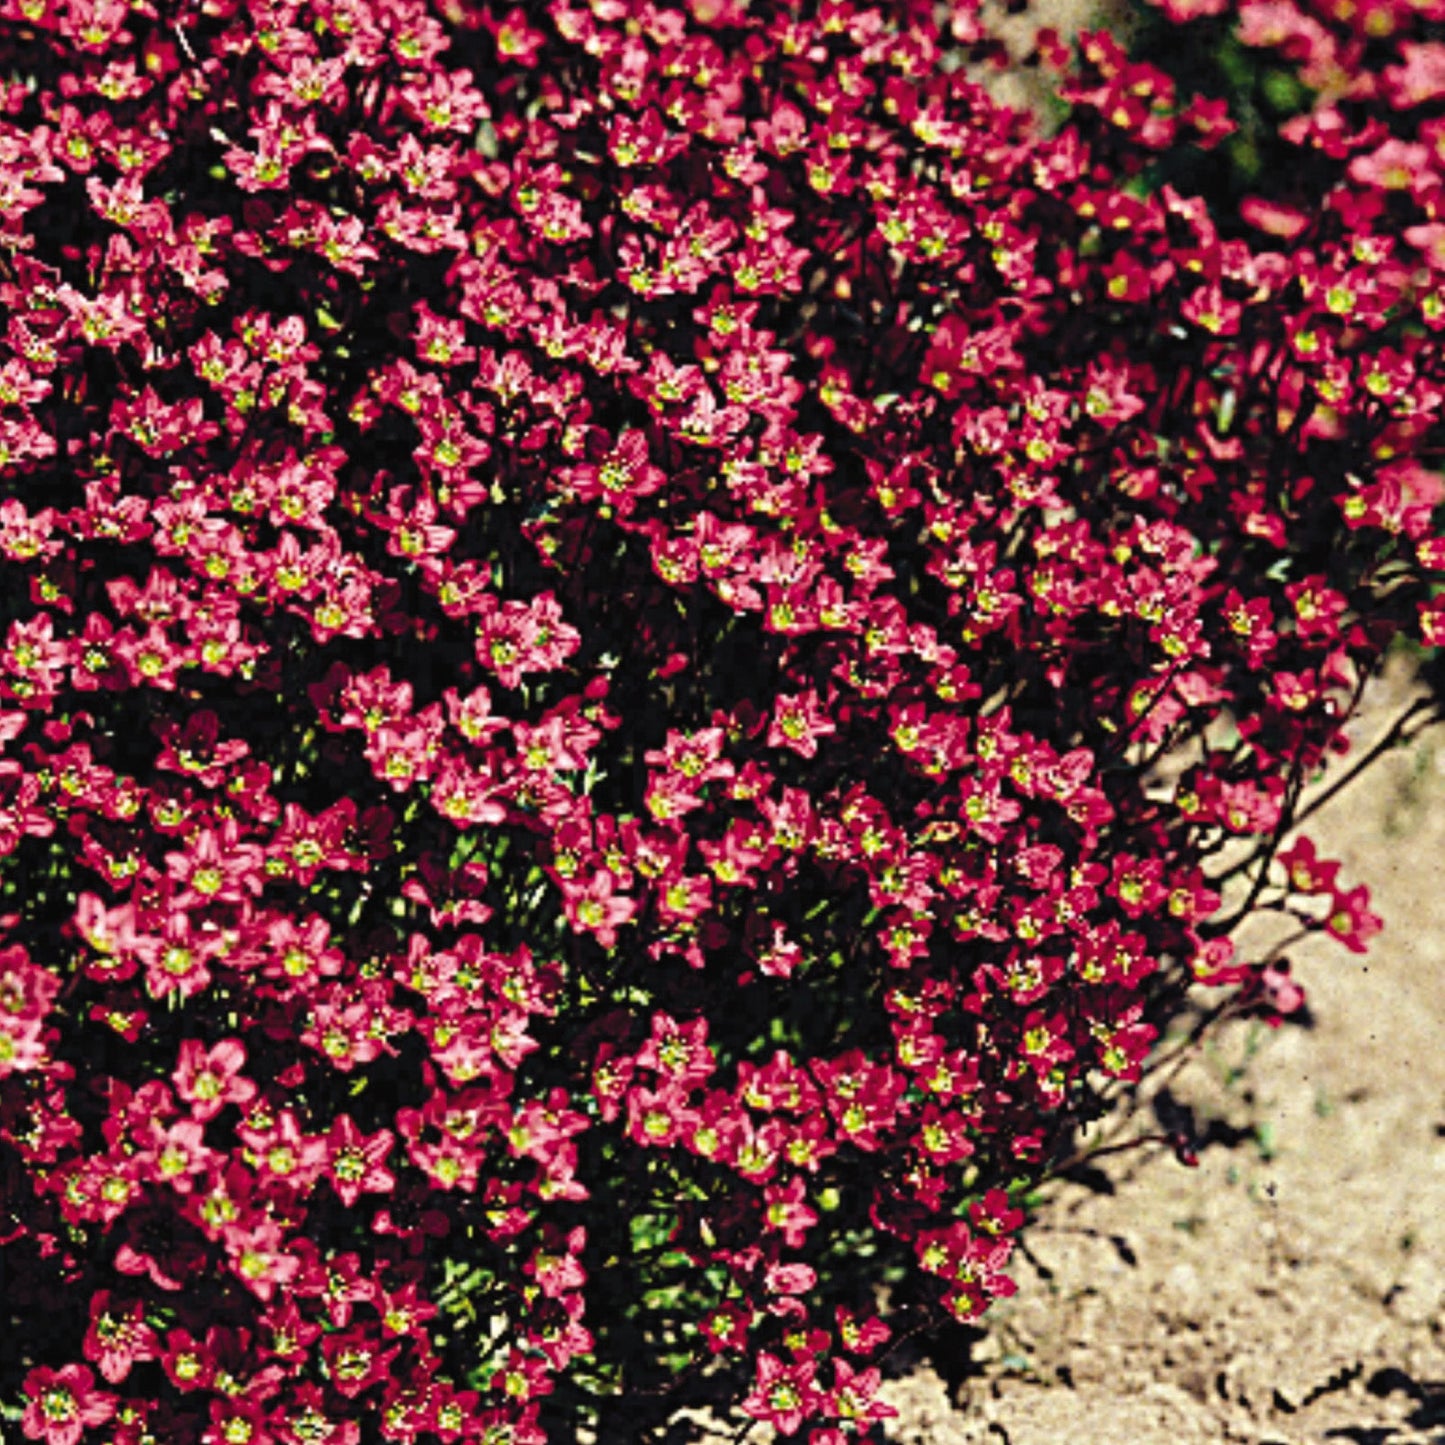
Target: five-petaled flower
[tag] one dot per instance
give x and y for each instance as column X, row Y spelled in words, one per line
column 60, row 1405
column 783, row 1395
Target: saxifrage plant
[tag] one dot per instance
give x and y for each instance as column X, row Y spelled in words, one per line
column 594, row 596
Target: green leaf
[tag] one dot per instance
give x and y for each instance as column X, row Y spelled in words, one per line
column 1284, row 92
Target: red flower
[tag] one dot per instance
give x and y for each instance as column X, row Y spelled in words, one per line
column 785, row 1211
column 354, row 1362
column 356, row 1163
column 862, row 1097
column 176, row 1153
column 62, row 1404
column 1045, row 1040
column 597, row 907
column 237, row 1422
column 1211, row 311
column 622, row 477
column 283, row 1151
column 257, row 1259
column 523, row 1377
column 22, row 1046
column 302, row 1419
column 209, row 1079
column 799, row 721
column 860, row 1337
column 556, row 1267
column 118, row 1337
column 1308, row 873
column 1432, row 622
column 993, row 1214
column 853, row 1396
column 678, row 1052
column 1349, row 918
column 783, row 1395
column 658, row 1117
column 189, row 1364
column 218, row 866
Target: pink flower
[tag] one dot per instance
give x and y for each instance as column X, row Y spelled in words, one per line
column 785, row 1212
column 118, row 1337
column 62, row 1404
column 783, row 1395
column 853, row 1396
column 209, row 1079
column 1308, row 873
column 1432, row 622
column 356, row 1163
column 799, row 720
column 1349, row 918
column 597, row 907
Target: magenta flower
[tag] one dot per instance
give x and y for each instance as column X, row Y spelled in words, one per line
column 783, row 1395
column 62, row 1404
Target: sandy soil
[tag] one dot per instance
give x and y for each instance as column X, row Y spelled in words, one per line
column 1291, row 1289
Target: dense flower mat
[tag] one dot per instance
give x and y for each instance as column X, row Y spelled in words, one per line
column 643, row 649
